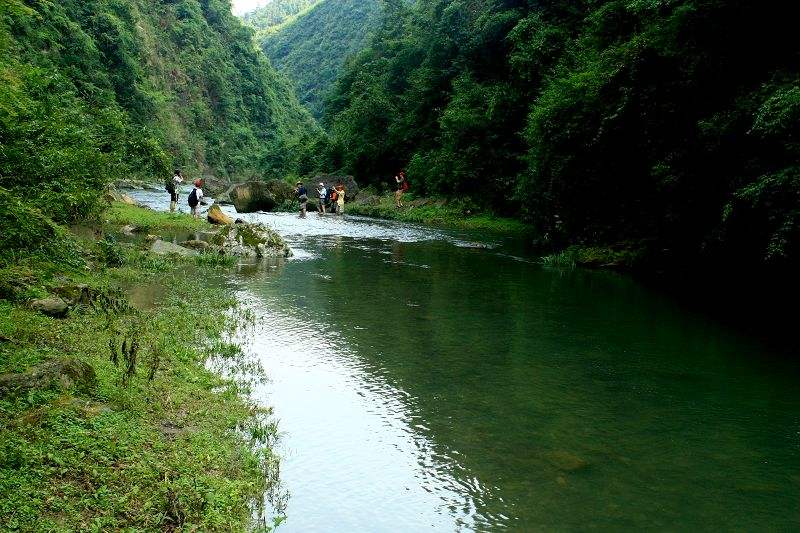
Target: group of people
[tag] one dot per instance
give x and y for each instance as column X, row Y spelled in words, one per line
column 195, row 199
column 331, row 199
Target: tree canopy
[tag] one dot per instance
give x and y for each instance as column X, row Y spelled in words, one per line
column 671, row 124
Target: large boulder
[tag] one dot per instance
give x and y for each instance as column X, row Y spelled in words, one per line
column 281, row 191
column 216, row 216
column 251, row 197
column 55, row 307
column 62, row 373
column 250, row 240
column 160, row 247
column 212, row 185
column 351, row 188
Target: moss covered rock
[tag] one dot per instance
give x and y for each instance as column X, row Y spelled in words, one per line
column 250, row 240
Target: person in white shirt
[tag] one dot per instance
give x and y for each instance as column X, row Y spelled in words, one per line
column 196, row 198
column 322, row 193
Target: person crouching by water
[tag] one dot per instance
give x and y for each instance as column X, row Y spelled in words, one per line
column 196, row 198
column 302, row 196
column 322, row 194
column 340, row 198
column 173, row 186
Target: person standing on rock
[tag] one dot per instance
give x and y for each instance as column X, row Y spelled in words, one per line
column 322, row 194
column 196, row 198
column 302, row 196
column 172, row 188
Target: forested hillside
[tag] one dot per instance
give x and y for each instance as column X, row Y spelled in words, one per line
column 312, row 48
column 91, row 91
column 669, row 126
column 266, row 18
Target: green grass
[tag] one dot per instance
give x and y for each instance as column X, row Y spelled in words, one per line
column 183, row 450
column 622, row 257
column 149, row 221
column 452, row 214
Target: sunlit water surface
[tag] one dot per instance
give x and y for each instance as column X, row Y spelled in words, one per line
column 436, row 380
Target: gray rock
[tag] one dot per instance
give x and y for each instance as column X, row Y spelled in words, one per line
column 251, row 197
column 64, row 373
column 55, row 307
column 160, row 247
column 212, row 185
column 128, row 230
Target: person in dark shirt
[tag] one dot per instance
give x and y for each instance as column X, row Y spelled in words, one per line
column 302, row 196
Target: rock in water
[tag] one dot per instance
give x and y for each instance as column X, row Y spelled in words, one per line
column 251, row 197
column 213, row 185
column 65, row 373
column 565, row 461
column 167, row 248
column 55, row 307
column 196, row 245
column 250, row 240
column 216, row 216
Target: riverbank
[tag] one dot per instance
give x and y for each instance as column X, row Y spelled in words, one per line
column 109, row 416
column 434, row 212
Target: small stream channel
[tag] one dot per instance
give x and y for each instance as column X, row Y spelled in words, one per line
column 438, row 380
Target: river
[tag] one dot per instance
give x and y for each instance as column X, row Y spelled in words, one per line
column 426, row 379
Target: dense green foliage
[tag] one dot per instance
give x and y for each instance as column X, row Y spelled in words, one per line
column 312, row 48
column 668, row 124
column 91, row 91
column 267, row 18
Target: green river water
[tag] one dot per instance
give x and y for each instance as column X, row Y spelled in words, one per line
column 435, row 380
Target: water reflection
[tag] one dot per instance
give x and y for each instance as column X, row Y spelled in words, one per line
column 425, row 384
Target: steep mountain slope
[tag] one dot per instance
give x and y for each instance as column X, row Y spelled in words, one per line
column 93, row 90
column 269, row 17
column 616, row 123
column 312, row 48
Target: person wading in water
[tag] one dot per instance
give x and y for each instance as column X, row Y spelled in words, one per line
column 302, row 197
column 172, row 188
column 322, row 194
column 340, row 198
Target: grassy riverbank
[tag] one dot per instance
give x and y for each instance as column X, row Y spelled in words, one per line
column 148, row 437
column 436, row 212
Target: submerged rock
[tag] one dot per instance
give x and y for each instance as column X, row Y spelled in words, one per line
column 160, row 247
column 216, row 216
column 250, row 240
column 565, row 461
column 64, row 373
column 55, row 307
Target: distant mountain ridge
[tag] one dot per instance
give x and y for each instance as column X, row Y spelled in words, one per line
column 309, row 40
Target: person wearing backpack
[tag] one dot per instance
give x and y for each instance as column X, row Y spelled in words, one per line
column 196, row 198
column 302, row 197
column 334, row 195
column 172, row 188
